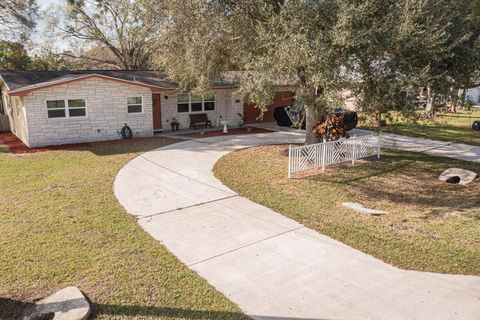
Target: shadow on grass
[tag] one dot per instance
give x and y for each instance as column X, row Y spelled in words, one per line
column 146, row 311
column 458, row 116
column 409, row 179
column 13, row 309
column 378, row 173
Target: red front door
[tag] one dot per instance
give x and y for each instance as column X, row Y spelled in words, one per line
column 157, row 112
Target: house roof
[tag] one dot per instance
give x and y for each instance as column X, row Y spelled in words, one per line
column 22, row 82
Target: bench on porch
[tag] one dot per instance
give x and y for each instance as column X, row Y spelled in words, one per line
column 199, row 119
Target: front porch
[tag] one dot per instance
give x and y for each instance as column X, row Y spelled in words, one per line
column 219, row 131
column 219, row 106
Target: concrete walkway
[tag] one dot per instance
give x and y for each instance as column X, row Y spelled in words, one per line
column 433, row 147
column 270, row 266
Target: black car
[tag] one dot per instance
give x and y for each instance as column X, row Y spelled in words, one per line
column 285, row 117
column 476, row 125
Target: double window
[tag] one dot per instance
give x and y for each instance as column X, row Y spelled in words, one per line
column 195, row 103
column 66, row 108
column 134, row 105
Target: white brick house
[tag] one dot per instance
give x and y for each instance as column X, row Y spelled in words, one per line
column 105, row 112
column 52, row 108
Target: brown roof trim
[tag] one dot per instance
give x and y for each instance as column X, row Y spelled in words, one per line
column 26, row 90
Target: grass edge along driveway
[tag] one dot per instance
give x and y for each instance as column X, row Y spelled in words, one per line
column 61, row 225
column 430, row 225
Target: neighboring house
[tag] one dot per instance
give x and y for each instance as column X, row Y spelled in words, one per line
column 59, row 107
column 473, row 95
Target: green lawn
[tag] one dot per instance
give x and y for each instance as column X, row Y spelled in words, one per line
column 61, row 225
column 453, row 127
column 430, row 225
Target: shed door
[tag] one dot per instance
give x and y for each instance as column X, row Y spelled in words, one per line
column 157, row 112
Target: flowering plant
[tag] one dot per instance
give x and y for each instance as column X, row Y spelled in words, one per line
column 331, row 129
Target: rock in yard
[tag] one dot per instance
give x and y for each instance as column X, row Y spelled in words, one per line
column 360, row 208
column 466, row 176
column 66, row 304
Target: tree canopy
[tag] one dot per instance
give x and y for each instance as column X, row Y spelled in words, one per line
column 13, row 56
column 17, row 18
column 383, row 50
column 127, row 29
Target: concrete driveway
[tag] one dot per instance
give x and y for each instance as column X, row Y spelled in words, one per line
column 270, row 266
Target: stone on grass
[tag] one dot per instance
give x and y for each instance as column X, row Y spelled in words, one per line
column 360, row 208
column 466, row 176
column 66, row 304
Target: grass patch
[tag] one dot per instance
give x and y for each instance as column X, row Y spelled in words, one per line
column 61, row 225
column 430, row 225
column 453, row 127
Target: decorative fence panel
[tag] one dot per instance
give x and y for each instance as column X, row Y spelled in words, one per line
column 324, row 154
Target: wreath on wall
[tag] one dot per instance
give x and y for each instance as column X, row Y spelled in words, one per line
column 331, row 129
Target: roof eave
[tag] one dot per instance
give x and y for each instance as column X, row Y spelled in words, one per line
column 26, row 90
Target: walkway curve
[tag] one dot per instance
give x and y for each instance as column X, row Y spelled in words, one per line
column 271, row 266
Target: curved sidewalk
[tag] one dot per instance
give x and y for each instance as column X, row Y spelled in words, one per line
column 271, row 266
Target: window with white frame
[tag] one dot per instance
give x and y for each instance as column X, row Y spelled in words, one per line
column 56, row 109
column 209, row 102
column 183, row 103
column 134, row 105
column 70, row 108
column 195, row 103
column 77, row 108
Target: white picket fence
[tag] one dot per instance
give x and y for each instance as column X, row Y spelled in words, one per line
column 320, row 155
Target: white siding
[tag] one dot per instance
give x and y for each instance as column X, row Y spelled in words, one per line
column 226, row 108
column 15, row 115
column 4, row 119
column 473, row 95
column 106, row 102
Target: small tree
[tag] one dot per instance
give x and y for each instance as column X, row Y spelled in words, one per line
column 13, row 56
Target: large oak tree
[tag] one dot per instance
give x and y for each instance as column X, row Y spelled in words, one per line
column 381, row 49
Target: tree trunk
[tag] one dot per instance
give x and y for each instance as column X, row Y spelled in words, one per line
column 455, row 95
column 311, row 120
column 464, row 93
column 430, row 108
